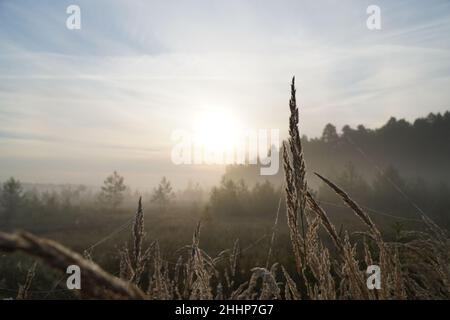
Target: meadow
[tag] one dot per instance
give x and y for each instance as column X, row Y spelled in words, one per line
column 264, row 241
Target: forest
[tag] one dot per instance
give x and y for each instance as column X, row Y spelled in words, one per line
column 419, row 150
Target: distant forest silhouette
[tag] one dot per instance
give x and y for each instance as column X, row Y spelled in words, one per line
column 417, row 150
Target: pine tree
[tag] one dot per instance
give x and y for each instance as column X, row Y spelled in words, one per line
column 163, row 194
column 112, row 191
column 11, row 198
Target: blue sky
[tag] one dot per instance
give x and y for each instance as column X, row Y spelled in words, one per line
column 77, row 104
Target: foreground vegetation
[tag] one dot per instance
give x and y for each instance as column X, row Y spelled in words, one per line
column 322, row 263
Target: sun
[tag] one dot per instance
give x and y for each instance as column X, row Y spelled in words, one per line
column 217, row 130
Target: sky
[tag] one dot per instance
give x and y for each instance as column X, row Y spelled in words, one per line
column 77, row 104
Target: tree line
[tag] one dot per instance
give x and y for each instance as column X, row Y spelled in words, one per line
column 418, row 149
column 235, row 198
column 16, row 203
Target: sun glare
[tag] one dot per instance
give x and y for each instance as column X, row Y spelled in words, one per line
column 217, row 130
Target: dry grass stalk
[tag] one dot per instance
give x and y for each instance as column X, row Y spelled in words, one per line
column 309, row 263
column 266, row 279
column 24, row 289
column 326, row 223
column 270, row 289
column 291, row 212
column 354, row 206
column 133, row 263
column 159, row 284
column 199, row 276
column 96, row 283
column 298, row 161
column 138, row 237
column 291, row 291
column 319, row 263
column 233, row 261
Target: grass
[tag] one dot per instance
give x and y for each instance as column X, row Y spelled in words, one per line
column 328, row 265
